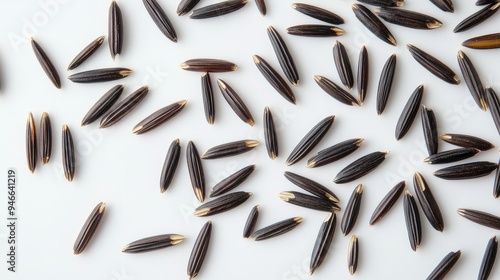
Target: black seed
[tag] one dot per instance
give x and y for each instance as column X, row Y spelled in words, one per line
column 31, row 144
column 89, row 228
column 433, row 65
column 429, row 126
column 351, row 210
column 323, row 242
column 370, row 21
column 477, row 17
column 452, row 155
column 46, row 64
column 270, row 134
column 185, row 6
column 480, row 217
column 408, row 18
column 310, row 140
column 208, row 65
column 251, row 221
column 343, row 65
column 444, row 5
column 199, row 250
column 494, row 106
column 232, row 181
column 170, row 165
column 159, row 117
column 100, row 75
column 311, row 186
column 444, row 266
column 230, row 149
column 276, row 229
column 309, row 201
column 218, row 9
column 122, row 108
column 235, row 102
column 283, row 55
column 489, row 257
column 488, row 41
column 315, row 30
column 115, row 29
column 153, row 243
column 352, row 255
column 496, row 184
column 274, row 78
column 485, row 2
column 467, row 170
column 360, row 167
column 384, row 3
column 318, row 13
column 102, row 105
column 86, row 53
column 362, row 76
column 467, row 141
column 334, row 152
column 195, row 171
column 335, row 91
column 160, row 19
column 385, row 83
column 261, row 5
column 412, row 218
column 387, row 202
column 428, row 202
column 472, row 79
column 409, row 112
column 68, row 153
column 222, row 204
column 208, row 98
column 45, row 148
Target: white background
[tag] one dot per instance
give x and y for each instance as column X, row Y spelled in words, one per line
column 123, row 169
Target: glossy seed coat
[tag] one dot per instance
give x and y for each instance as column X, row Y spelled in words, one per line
column 496, row 183
column 488, row 41
column 46, row 64
column 372, row 23
column 485, row 2
column 89, row 228
column 472, row 79
column 360, row 167
column 170, row 165
column 232, row 181
column 318, row 13
column 315, row 30
column 444, row 266
column 335, row 91
column 429, row 126
column 335, row 152
column 31, row 143
column 122, row 108
column 153, row 243
column 86, row 53
column 115, row 29
column 274, row 78
column 433, row 65
column 218, row 9
column 270, row 136
column 385, row 83
column 477, row 17
column 452, row 155
column 185, row 6
column 276, row 229
column 285, row 59
column 68, row 153
column 103, row 105
column 208, row 98
column 100, row 75
column 309, row 201
column 469, row 170
column 199, row 251
column 352, row 255
column 384, row 3
column 230, row 149
column 343, row 64
column 222, row 204
column 235, row 102
column 352, row 210
column 444, row 5
column 480, row 217
column 412, row 218
column 387, row 202
column 467, row 141
column 490, row 254
column 208, row 65
column 159, row 117
column 311, row 186
column 323, row 242
column 251, row 222
column 408, row 18
column 261, row 6
column 362, row 75
column 427, row 202
column 409, row 112
column 494, row 106
column 160, row 19
column 195, row 169
column 45, row 142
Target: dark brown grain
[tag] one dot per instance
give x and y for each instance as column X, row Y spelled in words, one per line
column 83, row 55
column 323, row 242
column 46, row 64
column 103, row 105
column 153, row 243
column 170, row 165
column 195, row 169
column 360, row 167
column 45, row 142
column 433, row 65
column 270, row 136
column 285, row 59
column 122, row 108
column 115, row 29
column 372, row 23
column 31, row 143
column 352, row 210
column 159, row 117
column 222, row 204
column 235, row 102
column 385, row 83
column 276, row 229
column 387, row 202
column 230, row 149
column 89, row 228
column 199, row 251
column 161, row 19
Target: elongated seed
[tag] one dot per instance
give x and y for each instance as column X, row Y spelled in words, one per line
column 408, row 18
column 208, row 97
column 490, row 254
column 195, row 169
column 309, row 201
column 208, row 65
column 160, row 19
column 343, row 64
column 103, row 104
column 276, row 229
column 334, row 152
column 323, row 242
column 274, row 78
column 261, row 5
column 89, row 228
column 115, row 29
column 384, row 3
column 170, row 165
column 199, row 251
column 270, row 134
column 409, row 112
column 230, row 149
column 387, row 202
column 496, row 183
column 452, row 155
column 360, row 167
column 494, row 106
column 45, row 148
column 485, row 2
column 469, row 170
column 185, row 6
column 46, row 64
column 86, row 53
column 222, row 204
column 311, row 186
column 467, row 141
column 412, row 218
column 472, row 79
column 362, row 75
column 428, row 202
column 235, row 102
column 433, row 65
column 385, row 83
column 444, row 266
column 251, row 222
column 488, row 41
column 153, row 243
column 444, row 5
column 232, row 181
column 480, row 217
column 68, row 153
column 159, row 117
column 352, row 255
column 318, row 13
column 351, row 210
column 310, row 140
column 315, row 30
column 31, row 143
column 122, row 108
column 218, row 9
column 283, row 54
column 335, row 91
column 100, row 75
column 477, row 17
column 429, row 126
column 372, row 23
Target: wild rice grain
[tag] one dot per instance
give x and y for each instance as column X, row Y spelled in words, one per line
column 103, row 105
column 444, row 266
column 323, row 242
column 452, row 155
column 385, row 83
column 387, row 202
column 195, row 169
column 309, row 201
column 428, row 202
column 372, row 23
column 270, row 134
column 251, row 221
column 89, row 228
column 315, row 30
column 218, row 9
column 159, row 117
column 170, row 165
column 153, row 243
column 100, row 75
column 409, row 112
column 362, row 75
column 489, row 257
column 46, row 64
column 235, row 102
column 488, row 41
column 208, row 65
column 467, row 141
column 222, row 204
column 115, row 29
column 383, row 3
column 360, row 167
column 469, row 170
column 284, row 57
column 352, row 210
column 408, row 18
column 199, row 251
column 45, row 148
column 122, row 108
column 68, row 153
column 31, row 144
column 343, row 65
column 429, row 126
column 472, row 79
column 276, row 229
column 352, row 255
column 230, row 149
column 433, row 65
column 261, row 5
column 444, row 5
column 185, row 6
column 412, row 218
column 480, row 217
column 335, row 91
column 494, row 106
column 496, row 183
column 274, row 78
column 335, row 152
column 86, row 53
column 160, row 19
column 318, row 13
column 208, row 98
column 477, row 17
column 232, row 181
column 311, row 186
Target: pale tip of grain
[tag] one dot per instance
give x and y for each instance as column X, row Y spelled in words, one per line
column 125, row 73
column 286, row 196
column 251, row 143
column 433, row 25
column 311, row 164
column 201, row 212
column 199, row 194
column 256, row 59
column 399, row 4
column 484, row 107
column 392, row 40
column 221, row 84
column 184, row 65
column 177, row 238
column 298, row 219
column 137, row 129
column 251, row 122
